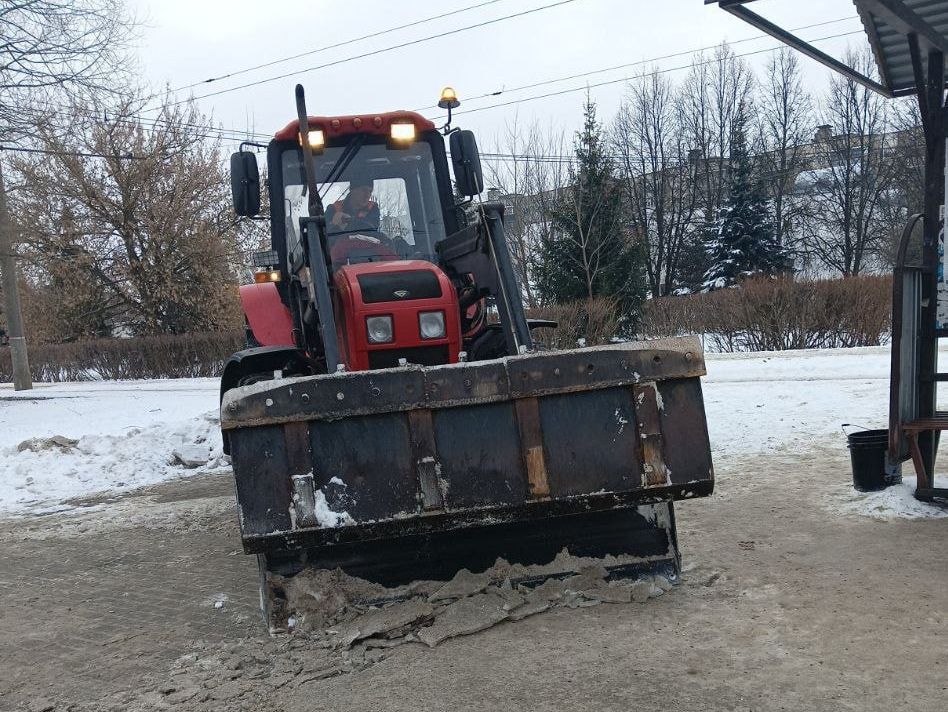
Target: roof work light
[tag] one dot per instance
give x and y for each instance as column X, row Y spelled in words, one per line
column 403, row 131
column 317, row 139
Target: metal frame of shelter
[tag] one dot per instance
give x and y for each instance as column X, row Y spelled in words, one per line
column 909, row 39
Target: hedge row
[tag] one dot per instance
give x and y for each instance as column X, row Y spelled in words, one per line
column 760, row 315
column 179, row 356
column 778, row 314
column 593, row 320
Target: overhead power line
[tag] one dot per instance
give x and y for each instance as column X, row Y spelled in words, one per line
column 625, row 78
column 383, row 50
column 336, row 45
column 77, row 154
column 636, row 63
column 232, row 134
column 209, row 130
column 239, row 133
column 526, row 157
column 129, row 156
column 203, row 130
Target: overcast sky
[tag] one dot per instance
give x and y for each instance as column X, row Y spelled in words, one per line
column 186, row 41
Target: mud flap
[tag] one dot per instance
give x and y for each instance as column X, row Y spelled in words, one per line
column 392, row 474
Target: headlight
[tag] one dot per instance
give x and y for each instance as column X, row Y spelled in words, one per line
column 379, row 329
column 431, row 325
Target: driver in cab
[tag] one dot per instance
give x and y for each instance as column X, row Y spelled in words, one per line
column 357, row 211
column 353, row 226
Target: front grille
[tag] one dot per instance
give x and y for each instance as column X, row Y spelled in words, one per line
column 420, row 355
column 417, row 284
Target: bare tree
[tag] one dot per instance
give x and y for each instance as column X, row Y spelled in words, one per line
column 908, row 153
column 717, row 93
column 784, row 121
column 53, row 47
column 49, row 48
column 528, row 172
column 906, row 195
column 845, row 233
column 393, row 209
column 142, row 213
column 657, row 176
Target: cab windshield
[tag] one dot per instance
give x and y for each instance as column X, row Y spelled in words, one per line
column 381, row 203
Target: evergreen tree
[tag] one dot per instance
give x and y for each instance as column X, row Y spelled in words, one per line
column 693, row 261
column 742, row 240
column 590, row 253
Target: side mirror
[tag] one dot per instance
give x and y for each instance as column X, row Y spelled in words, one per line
column 245, row 183
column 467, row 163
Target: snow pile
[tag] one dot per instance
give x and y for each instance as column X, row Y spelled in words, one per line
column 61, row 441
column 896, row 502
column 46, row 472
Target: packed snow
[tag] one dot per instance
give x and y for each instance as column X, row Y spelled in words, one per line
column 131, row 434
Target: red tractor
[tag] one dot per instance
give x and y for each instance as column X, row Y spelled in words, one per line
column 400, row 290
column 391, row 414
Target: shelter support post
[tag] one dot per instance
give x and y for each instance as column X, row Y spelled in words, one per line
column 931, row 101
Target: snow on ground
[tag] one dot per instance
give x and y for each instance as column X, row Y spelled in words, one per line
column 98, row 407
column 128, row 431
column 764, row 401
column 126, row 435
column 896, row 502
column 792, row 401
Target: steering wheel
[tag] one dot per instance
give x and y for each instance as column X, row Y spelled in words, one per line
column 361, row 224
column 348, row 247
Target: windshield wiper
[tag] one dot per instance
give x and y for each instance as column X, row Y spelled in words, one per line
column 345, row 158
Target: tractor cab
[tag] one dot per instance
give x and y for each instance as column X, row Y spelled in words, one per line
column 382, row 198
column 385, row 204
column 384, row 184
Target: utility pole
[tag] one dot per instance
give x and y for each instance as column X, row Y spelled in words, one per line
column 22, row 380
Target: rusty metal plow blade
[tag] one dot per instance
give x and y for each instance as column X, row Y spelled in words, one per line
column 409, row 472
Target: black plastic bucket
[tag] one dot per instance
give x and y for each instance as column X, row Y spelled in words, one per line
column 867, row 451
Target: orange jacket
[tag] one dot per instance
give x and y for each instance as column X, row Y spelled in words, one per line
column 370, row 213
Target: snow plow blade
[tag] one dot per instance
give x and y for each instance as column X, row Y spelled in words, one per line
column 406, row 473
